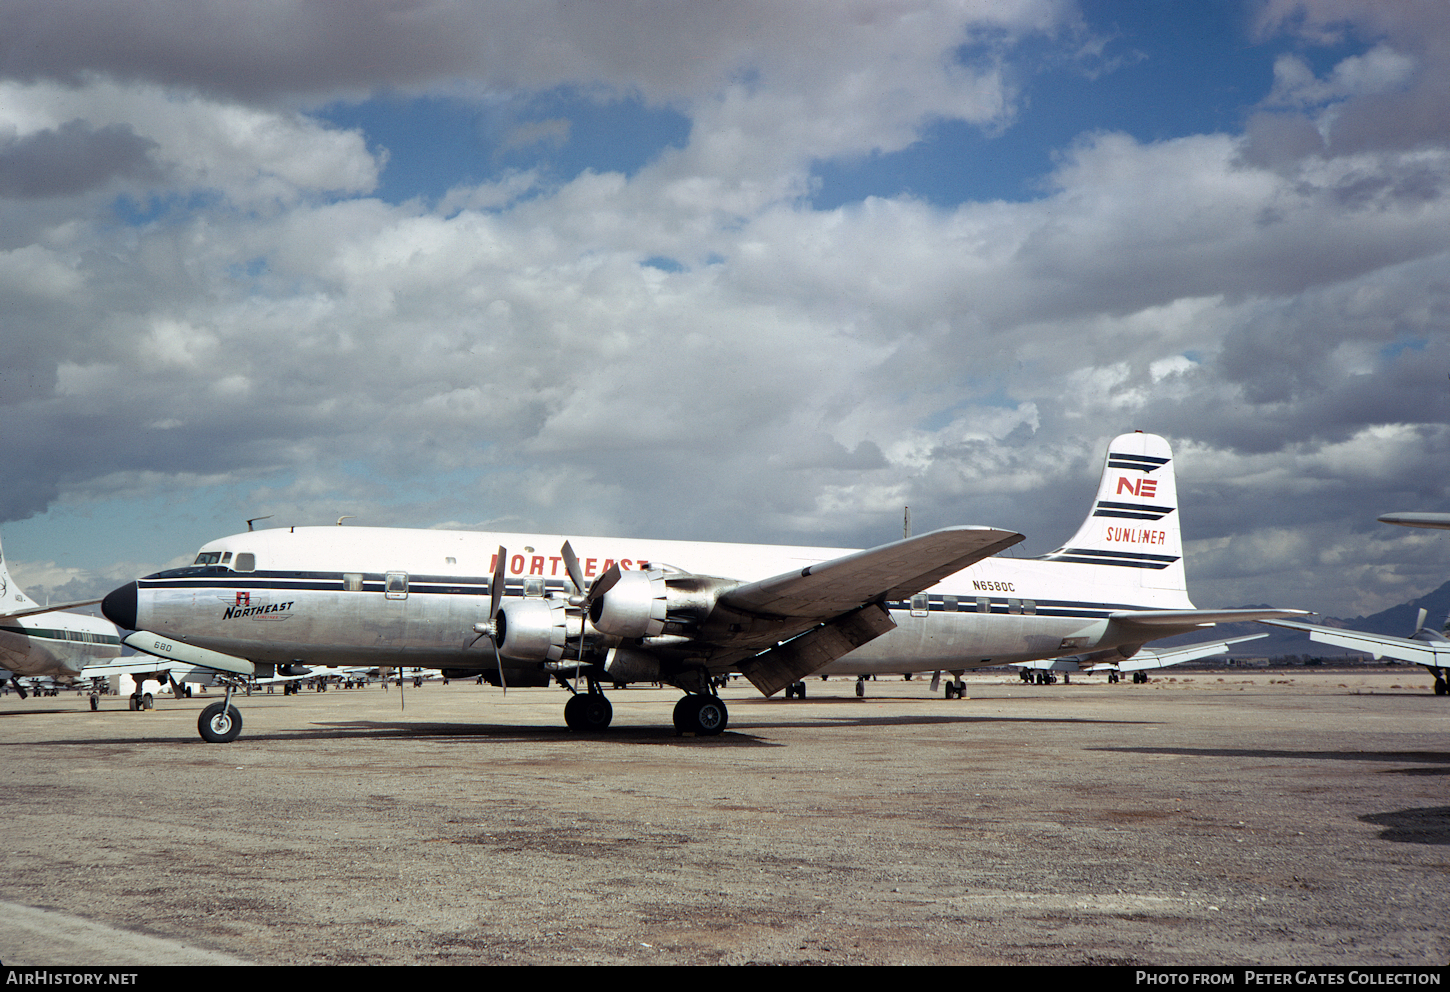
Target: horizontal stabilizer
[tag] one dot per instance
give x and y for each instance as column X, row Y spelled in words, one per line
column 1153, row 621
column 188, row 654
column 1145, row 658
column 1167, row 657
column 1434, row 654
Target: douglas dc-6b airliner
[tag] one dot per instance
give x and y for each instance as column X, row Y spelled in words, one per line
column 527, row 609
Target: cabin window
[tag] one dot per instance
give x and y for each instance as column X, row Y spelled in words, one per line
column 534, row 588
column 352, row 581
column 920, row 604
column 395, row 585
column 1029, row 607
column 1014, row 606
column 949, row 604
column 246, row 562
column 984, row 605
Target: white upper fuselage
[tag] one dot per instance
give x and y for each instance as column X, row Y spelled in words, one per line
column 358, row 595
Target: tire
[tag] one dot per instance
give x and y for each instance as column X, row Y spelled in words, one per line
column 588, row 714
column 148, row 702
column 703, row 716
column 95, row 703
column 219, row 723
column 683, row 722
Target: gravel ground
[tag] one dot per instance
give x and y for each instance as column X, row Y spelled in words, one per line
column 1229, row 818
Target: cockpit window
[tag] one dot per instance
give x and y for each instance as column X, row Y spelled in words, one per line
column 208, row 558
column 246, row 562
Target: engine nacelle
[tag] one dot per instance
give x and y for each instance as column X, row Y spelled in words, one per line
column 635, row 606
column 532, row 629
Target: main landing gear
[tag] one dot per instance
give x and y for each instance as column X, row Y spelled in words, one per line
column 698, row 713
column 701, row 715
column 588, row 712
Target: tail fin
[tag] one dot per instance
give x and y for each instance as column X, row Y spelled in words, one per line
column 1132, row 531
column 11, row 598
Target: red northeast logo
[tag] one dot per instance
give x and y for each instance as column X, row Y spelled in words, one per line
column 244, row 599
column 1145, row 488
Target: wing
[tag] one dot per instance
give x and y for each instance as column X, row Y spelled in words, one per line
column 1166, row 657
column 46, row 609
column 786, row 627
column 1433, row 654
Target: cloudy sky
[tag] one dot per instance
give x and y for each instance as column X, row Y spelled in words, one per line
column 744, row 271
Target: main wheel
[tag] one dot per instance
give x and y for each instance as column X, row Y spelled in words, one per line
column 710, row 716
column 703, row 716
column 95, row 702
column 588, row 712
column 219, row 723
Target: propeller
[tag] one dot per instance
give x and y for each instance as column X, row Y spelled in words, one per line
column 489, row 629
column 586, row 600
column 1420, row 621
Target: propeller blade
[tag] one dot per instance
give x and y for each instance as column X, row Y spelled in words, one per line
column 604, row 583
column 1420, row 620
column 495, row 588
column 571, row 565
column 499, row 658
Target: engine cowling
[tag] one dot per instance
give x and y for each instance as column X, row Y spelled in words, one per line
column 635, row 606
column 532, row 629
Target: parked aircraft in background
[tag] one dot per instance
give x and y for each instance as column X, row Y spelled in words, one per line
column 48, row 642
column 1139, row 665
column 940, row 601
column 1426, row 647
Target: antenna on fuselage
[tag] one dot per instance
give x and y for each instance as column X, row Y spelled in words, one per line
column 347, row 517
column 906, row 524
column 255, row 519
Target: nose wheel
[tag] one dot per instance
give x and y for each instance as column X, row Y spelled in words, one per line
column 219, row 723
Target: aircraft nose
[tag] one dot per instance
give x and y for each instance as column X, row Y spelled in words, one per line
column 119, row 606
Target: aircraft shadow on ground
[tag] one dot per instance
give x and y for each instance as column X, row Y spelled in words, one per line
column 1440, row 758
column 1413, row 826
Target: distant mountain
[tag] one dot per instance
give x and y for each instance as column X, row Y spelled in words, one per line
column 1397, row 621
